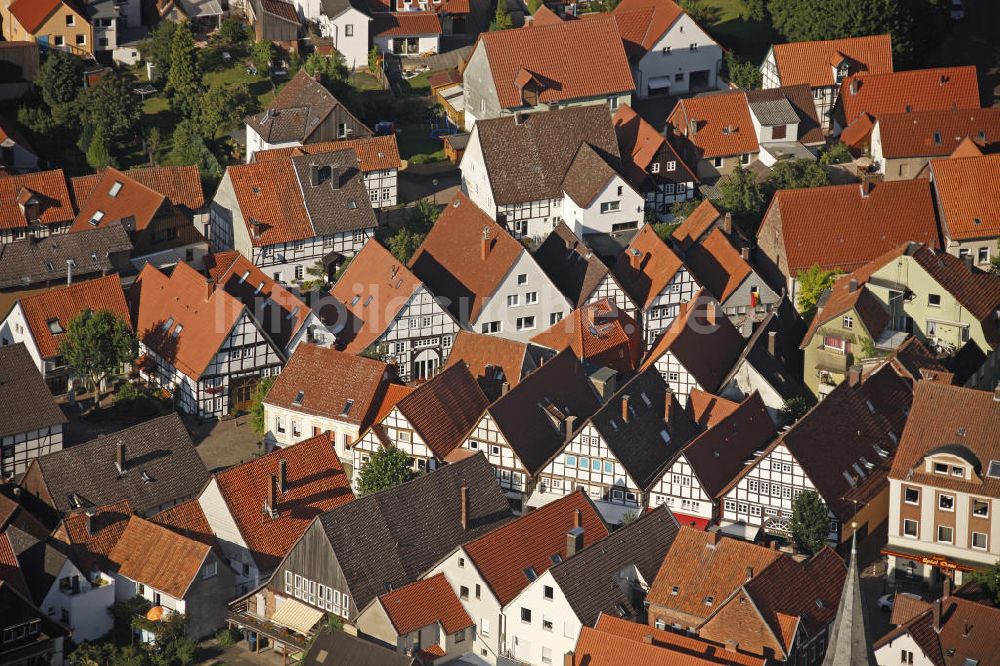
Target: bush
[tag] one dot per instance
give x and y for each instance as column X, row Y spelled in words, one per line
column 127, row 393
column 225, row 638
column 838, row 153
column 233, row 31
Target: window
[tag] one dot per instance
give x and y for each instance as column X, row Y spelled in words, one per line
column 937, row 138
column 984, row 255
column 613, row 103
column 934, row 300
column 694, row 46
column 513, row 300
column 979, row 541
column 609, row 467
column 463, row 593
column 911, row 496
column 584, row 462
column 478, row 591
column 522, row 278
column 546, row 624
column 461, row 562
column 546, row 651
column 611, row 206
column 460, row 636
column 555, row 317
column 672, row 165
column 278, row 425
column 666, row 50
column 59, row 38
column 946, row 502
column 848, row 321
column 526, row 615
column 571, row 461
column 81, row 39
column 910, row 528
column 654, row 167
column 349, row 30
column 834, row 344
column 745, row 158
column 944, row 534
column 940, row 468
column 906, row 657
column 491, row 327
column 717, row 162
column 210, row 569
column 525, row 323
column 531, row 297
column 548, row 592
column 70, row 20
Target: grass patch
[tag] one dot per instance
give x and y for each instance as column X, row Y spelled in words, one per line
column 747, row 39
column 363, row 81
column 417, row 145
column 418, row 86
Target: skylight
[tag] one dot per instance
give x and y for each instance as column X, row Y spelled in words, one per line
column 294, row 313
column 55, row 327
column 167, row 324
column 665, row 436
column 243, row 278
column 530, row 573
column 368, row 301
column 352, row 204
column 709, row 600
column 260, row 288
column 347, row 408
column 994, row 469
column 177, row 331
column 116, row 187
column 556, row 558
column 96, row 218
column 49, row 266
column 354, row 301
column 299, row 397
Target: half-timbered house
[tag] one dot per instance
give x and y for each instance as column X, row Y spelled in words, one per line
column 198, row 342
column 32, row 423
column 384, row 308
column 497, row 364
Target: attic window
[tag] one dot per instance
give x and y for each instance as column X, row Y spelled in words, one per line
column 352, row 204
column 145, row 476
column 530, row 573
column 937, row 138
column 556, row 558
column 55, row 327
column 177, row 331
column 871, row 407
column 676, row 590
column 93, row 256
column 981, row 136
column 243, row 278
column 709, row 600
column 665, row 436
column 819, row 603
column 96, row 218
column 994, row 469
column 299, row 397
column 75, row 501
column 49, row 266
column 347, row 408
column 116, row 187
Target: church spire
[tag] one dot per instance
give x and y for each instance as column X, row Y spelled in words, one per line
column 849, row 644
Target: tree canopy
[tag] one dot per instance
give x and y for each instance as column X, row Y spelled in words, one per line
column 257, row 421
column 112, row 107
column 501, row 19
column 743, row 73
column 812, row 283
column 989, row 581
column 744, row 197
column 810, row 521
column 796, row 174
column 97, row 344
column 387, row 468
column 184, row 81
column 60, row 78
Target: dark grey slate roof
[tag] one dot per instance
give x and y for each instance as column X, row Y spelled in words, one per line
column 588, row 579
column 296, row 111
column 341, row 203
column 161, row 447
column 338, row 648
column 40, row 561
column 26, row 404
column 573, row 267
column 391, row 538
column 849, row 643
column 26, row 262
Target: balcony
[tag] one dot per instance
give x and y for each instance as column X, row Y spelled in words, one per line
column 832, row 361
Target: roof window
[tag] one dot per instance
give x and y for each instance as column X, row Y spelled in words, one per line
column 294, row 313
column 116, row 187
column 96, row 218
column 243, row 278
column 260, row 288
column 937, row 138
column 530, row 573
column 352, row 204
column 49, row 266
column 556, row 558
column 676, row 590
column 299, row 397
column 167, row 324
column 994, row 469
column 709, row 600
column 178, row 329
column 55, row 328
column 665, row 436
column 347, row 408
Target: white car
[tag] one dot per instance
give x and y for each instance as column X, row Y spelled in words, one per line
column 957, row 10
column 885, row 602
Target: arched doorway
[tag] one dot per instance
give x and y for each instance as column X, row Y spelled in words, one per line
column 425, row 364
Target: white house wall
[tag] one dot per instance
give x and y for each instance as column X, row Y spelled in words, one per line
column 590, row 220
column 486, row 437
column 680, row 381
column 680, row 489
column 672, row 55
column 287, row 426
column 549, row 307
column 353, row 46
column 423, row 332
column 234, row 547
column 478, row 600
column 526, row 641
column 666, row 306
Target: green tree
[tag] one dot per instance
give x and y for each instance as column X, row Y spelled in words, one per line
column 112, row 107
column 263, row 53
column 812, row 283
column 742, row 196
column 501, row 19
column 756, row 10
column 154, row 144
column 330, row 69
column 989, row 580
column 98, row 152
column 838, row 153
column 794, row 409
column 404, row 243
column 743, row 73
column 995, row 261
column 810, row 524
column 257, row 421
column 156, row 49
column 317, row 277
column 797, row 174
column 420, row 218
column 97, row 344
column 184, row 79
column 223, row 108
column 60, row 78
column 387, row 468
column 681, row 209
column 233, row 31
column 702, row 13
column 373, row 60
column 190, row 148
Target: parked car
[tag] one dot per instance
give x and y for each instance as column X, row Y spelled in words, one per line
column 886, row 602
column 957, row 10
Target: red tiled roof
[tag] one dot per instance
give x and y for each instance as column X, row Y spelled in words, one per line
column 935, row 133
column 328, row 380
column 450, row 260
column 938, row 89
column 157, row 557
column 598, row 332
column 841, row 300
column 487, row 354
column 375, row 153
column 502, row 555
column 967, row 634
column 718, row 265
column 316, row 483
column 31, row 14
column 8, row 131
column 262, row 192
column 695, row 225
column 722, row 123
column 393, row 394
column 445, row 409
column 968, row 196
column 59, row 306
column 707, row 410
column 281, row 9
column 188, row 519
column 10, row 567
column 967, row 148
column 545, row 16
column 424, row 603
column 373, row 291
column 813, row 62
column 404, row 24
column 640, row 143
column 558, row 56
column 90, row 548
column 181, row 185
column 689, row 646
column 200, row 316
column 838, row 227
column 49, row 187
column 132, row 201
column 657, row 266
column 859, row 131
column 643, row 22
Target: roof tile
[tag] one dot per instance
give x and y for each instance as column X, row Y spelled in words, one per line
column 812, row 62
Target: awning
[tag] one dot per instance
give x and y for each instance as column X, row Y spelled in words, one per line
column 739, row 530
column 658, row 82
column 297, row 616
column 938, row 561
column 696, row 522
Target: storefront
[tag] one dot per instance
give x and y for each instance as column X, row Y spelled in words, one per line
column 906, row 565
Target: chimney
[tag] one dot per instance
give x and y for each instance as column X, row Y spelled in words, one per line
column 647, row 639
column 727, row 223
column 504, row 387
column 744, row 252
column 484, row 249
column 946, row 588
column 574, row 541
column 692, row 128
column 668, row 404
column 337, row 177
column 996, row 393
column 968, row 261
column 89, row 522
column 120, row 462
column 314, row 174
column 272, row 496
column 937, row 616
column 283, row 476
column 854, row 87
column 866, row 188
column 568, row 659
column 854, row 375
column 852, row 286
column 569, row 425
column 577, row 518
column 749, row 573
column 465, row 506
column 772, row 338
column 625, row 414
column 634, row 258
column 209, row 288
column 520, row 117
column 774, row 544
column 710, row 314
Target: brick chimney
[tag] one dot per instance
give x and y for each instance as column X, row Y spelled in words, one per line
column 749, row 573
column 937, row 616
column 772, row 337
column 577, row 518
column 568, row 659
column 727, row 223
column 283, row 476
column 852, row 285
column 465, row 506
column 668, row 404
column 574, row 541
column 635, row 258
column 89, row 522
column 625, row 414
column 854, row 375
column 485, row 245
column 120, row 460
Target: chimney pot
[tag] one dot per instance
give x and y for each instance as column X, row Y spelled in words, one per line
column 772, row 343
column 465, row 505
column 727, row 223
column 625, row 405
column 283, row 475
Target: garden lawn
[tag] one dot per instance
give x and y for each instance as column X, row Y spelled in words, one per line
column 416, row 143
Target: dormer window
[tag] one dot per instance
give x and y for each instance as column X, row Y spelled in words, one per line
column 957, row 471
column 55, row 328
